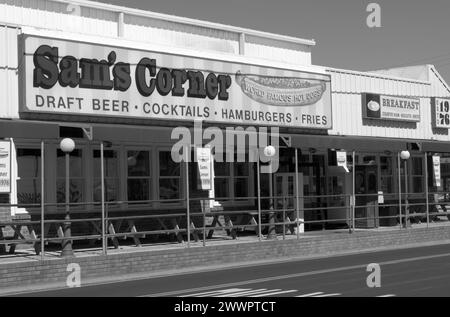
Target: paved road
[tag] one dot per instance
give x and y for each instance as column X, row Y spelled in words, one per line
column 423, row 271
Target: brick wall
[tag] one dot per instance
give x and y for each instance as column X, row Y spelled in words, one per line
column 38, row 273
column 5, row 212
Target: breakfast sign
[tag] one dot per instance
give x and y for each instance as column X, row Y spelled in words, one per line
column 391, row 108
column 73, row 78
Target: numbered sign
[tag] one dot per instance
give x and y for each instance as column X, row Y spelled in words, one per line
column 441, row 113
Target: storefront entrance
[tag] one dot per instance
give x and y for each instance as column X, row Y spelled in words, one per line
column 366, row 200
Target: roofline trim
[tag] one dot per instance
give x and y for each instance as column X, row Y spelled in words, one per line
column 187, row 21
column 376, row 75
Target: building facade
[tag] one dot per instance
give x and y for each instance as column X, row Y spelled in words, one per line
column 120, row 81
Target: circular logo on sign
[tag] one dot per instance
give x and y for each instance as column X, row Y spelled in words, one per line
column 373, row 106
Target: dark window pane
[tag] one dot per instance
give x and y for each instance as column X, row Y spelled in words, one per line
column 417, row 184
column 417, row 166
column 138, row 163
column 110, row 162
column 76, row 190
column 28, row 191
column 75, row 164
column 241, row 187
column 111, row 190
column 221, row 169
column 241, row 169
column 167, row 167
column 169, row 188
column 221, row 187
column 29, row 162
column 138, row 189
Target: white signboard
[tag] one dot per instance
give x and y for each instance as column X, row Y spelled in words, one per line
column 380, row 197
column 5, row 167
column 437, row 170
column 204, row 167
column 341, row 158
column 441, row 115
column 391, row 108
column 73, row 78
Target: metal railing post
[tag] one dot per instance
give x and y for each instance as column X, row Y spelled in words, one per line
column 258, row 176
column 406, row 196
column 426, row 190
column 399, row 189
column 204, row 227
column 188, row 217
column 353, row 198
column 102, row 176
column 42, row 201
column 284, row 218
column 297, row 201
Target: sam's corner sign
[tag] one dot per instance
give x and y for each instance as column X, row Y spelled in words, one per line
column 393, row 108
column 67, row 77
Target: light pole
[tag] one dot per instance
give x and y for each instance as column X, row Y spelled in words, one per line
column 270, row 151
column 67, row 145
column 405, row 155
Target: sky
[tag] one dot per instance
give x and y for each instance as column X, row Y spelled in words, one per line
column 412, row 32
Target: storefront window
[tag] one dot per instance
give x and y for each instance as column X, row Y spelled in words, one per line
column 169, row 177
column 138, row 175
column 232, row 179
column 29, row 176
column 76, row 179
column 241, row 174
column 222, row 179
column 387, row 174
column 111, row 170
column 417, row 177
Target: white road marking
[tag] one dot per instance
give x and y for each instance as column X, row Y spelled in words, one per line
column 310, row 294
column 387, row 295
column 216, row 292
column 245, row 293
column 328, row 295
column 276, row 292
column 295, row 275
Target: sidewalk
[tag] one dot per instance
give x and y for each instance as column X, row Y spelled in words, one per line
column 27, row 271
column 26, row 253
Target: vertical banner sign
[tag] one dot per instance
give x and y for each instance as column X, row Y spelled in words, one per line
column 341, row 158
column 204, row 167
column 437, row 170
column 440, row 113
column 5, row 167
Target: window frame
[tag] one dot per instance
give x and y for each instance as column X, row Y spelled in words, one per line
column 27, row 146
column 181, row 178
column 232, row 199
column 118, row 150
column 150, row 177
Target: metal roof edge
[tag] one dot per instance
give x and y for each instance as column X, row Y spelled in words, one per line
column 172, row 50
column 187, row 21
column 432, row 69
column 376, row 75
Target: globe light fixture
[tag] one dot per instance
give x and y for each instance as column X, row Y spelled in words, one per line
column 270, row 151
column 405, row 155
column 67, row 145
